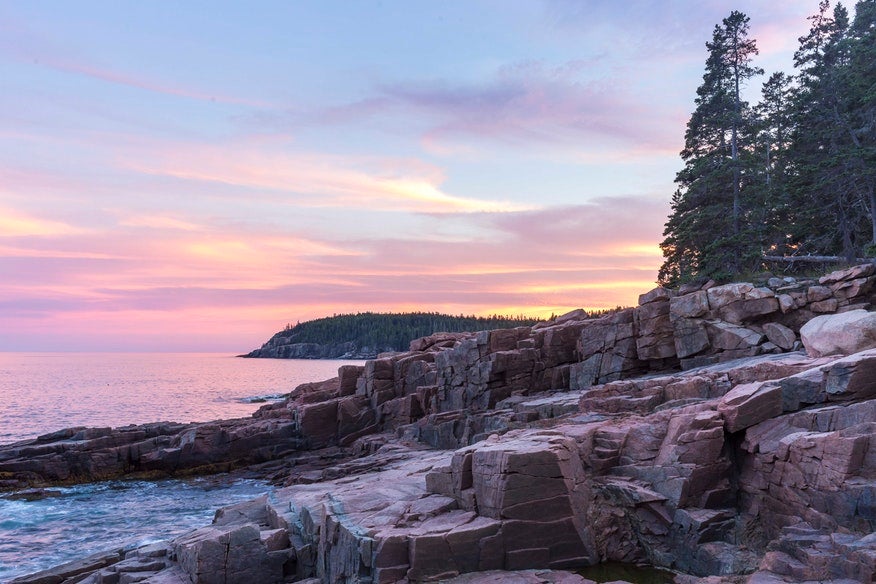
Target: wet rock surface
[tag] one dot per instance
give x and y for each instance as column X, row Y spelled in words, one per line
column 680, row 434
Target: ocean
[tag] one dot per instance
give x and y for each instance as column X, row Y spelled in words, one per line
column 44, row 392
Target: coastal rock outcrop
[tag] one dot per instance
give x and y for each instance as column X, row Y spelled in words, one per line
column 680, row 434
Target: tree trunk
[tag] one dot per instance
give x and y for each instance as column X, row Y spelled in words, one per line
column 846, row 232
column 734, row 154
column 813, row 259
column 872, row 196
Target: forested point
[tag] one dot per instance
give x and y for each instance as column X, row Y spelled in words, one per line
column 766, row 186
column 392, row 331
column 366, row 334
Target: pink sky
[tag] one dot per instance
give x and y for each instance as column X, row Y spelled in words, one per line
column 175, row 178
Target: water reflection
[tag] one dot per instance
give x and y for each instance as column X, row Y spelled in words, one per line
column 613, row 571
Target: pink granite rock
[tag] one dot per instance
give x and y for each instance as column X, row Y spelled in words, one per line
column 750, row 404
column 749, row 309
column 654, row 339
column 782, row 336
column 853, row 273
column 844, row 333
column 724, row 336
column 234, row 555
column 720, row 296
column 690, row 305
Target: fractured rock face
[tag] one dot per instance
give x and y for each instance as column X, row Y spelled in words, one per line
column 721, row 296
column 691, row 336
column 530, row 486
column 607, row 350
column 805, row 554
column 851, row 378
column 654, row 339
column 749, row 404
column 227, row 555
column 747, row 310
column 689, row 305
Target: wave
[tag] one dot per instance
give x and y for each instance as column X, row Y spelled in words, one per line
column 260, row 399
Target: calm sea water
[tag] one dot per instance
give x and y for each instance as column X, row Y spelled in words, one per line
column 44, row 392
column 41, row 393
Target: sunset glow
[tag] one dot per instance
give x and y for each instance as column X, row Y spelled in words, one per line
column 193, row 177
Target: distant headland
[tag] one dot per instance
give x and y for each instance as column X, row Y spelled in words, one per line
column 367, row 334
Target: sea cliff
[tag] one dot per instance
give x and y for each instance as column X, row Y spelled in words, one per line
column 722, row 432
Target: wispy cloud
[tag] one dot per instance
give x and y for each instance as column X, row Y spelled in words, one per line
column 154, row 86
column 26, row 46
column 533, row 103
column 160, row 222
column 319, row 181
column 17, row 224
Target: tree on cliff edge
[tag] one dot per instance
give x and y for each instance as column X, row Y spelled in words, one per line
column 706, row 232
column 861, row 81
column 819, row 152
column 833, row 150
column 773, row 210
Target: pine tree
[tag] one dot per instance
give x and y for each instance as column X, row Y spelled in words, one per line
column 773, row 210
column 825, row 179
column 859, row 81
column 705, row 234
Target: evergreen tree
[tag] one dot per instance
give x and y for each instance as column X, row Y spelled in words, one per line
column 824, row 175
column 390, row 331
column 773, row 210
column 796, row 174
column 859, row 81
column 704, row 235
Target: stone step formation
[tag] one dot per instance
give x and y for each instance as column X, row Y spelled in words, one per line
column 689, row 433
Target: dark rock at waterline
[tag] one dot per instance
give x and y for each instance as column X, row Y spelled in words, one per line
column 276, row 348
column 74, row 571
column 148, row 450
column 32, row 495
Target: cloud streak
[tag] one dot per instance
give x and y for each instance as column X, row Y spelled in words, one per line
column 528, row 102
column 318, row 181
column 27, row 46
column 17, row 224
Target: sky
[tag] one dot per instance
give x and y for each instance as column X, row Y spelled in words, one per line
column 193, row 175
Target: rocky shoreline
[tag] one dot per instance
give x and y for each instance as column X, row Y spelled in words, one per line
column 278, row 348
column 690, row 433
